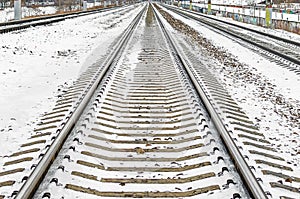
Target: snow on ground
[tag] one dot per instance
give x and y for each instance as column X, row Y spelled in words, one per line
column 274, row 79
column 36, row 62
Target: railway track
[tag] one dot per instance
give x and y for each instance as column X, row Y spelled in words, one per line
column 281, row 51
column 10, row 26
column 142, row 125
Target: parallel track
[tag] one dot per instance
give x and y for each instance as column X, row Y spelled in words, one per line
column 249, row 29
column 10, row 26
column 276, row 49
column 140, row 130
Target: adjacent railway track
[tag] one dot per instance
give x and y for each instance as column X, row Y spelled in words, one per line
column 141, row 125
column 10, row 26
column 282, row 51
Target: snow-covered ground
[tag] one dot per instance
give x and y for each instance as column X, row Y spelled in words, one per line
column 36, row 62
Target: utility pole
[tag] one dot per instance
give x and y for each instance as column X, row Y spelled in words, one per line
column 59, row 6
column 17, row 9
column 209, row 7
column 84, row 5
column 268, row 13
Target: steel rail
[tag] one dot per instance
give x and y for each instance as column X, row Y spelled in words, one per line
column 33, row 181
column 245, row 28
column 252, row 184
column 287, row 57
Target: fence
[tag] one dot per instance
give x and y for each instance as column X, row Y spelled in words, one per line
column 284, row 24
